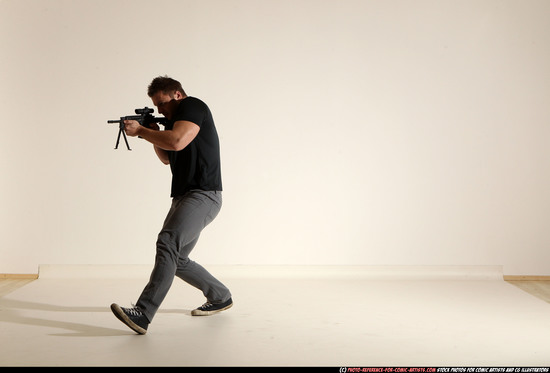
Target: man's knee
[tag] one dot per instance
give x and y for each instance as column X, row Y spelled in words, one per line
column 166, row 246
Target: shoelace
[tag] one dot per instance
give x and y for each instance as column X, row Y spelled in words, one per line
column 133, row 311
column 206, row 305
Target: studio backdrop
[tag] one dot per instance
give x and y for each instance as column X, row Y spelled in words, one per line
column 353, row 132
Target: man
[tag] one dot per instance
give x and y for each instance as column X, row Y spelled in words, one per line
column 190, row 145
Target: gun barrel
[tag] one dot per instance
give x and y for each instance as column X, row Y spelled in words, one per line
column 113, row 121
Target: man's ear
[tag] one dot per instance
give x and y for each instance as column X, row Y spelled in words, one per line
column 178, row 95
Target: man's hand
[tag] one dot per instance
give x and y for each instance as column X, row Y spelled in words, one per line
column 132, row 127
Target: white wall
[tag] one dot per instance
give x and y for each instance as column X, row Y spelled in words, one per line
column 353, row 132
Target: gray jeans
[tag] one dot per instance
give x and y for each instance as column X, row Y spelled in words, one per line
column 187, row 217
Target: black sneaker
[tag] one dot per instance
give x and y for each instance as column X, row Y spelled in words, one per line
column 208, row 308
column 133, row 317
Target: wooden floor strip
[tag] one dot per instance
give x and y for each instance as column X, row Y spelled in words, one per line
column 526, row 278
column 19, row 276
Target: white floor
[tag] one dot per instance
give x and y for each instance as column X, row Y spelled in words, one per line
column 281, row 317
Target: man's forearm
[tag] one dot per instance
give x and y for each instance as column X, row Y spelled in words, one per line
column 160, row 139
column 176, row 139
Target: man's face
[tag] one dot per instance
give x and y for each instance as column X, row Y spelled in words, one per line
column 166, row 103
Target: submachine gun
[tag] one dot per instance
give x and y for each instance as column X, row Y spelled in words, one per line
column 144, row 117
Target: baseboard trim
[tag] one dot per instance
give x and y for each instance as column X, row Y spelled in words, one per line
column 18, row 276
column 526, row 278
column 145, row 270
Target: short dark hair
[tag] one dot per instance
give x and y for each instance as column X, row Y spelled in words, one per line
column 164, row 84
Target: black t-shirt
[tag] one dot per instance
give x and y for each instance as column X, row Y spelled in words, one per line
column 198, row 165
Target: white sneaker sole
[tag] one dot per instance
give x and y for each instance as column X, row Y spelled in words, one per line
column 197, row 312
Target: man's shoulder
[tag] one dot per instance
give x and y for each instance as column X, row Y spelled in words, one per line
column 192, row 102
column 193, row 110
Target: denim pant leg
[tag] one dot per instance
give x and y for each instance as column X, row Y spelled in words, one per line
column 196, row 275
column 186, row 219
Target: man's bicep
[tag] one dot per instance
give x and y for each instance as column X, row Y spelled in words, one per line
column 185, row 127
column 185, row 132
